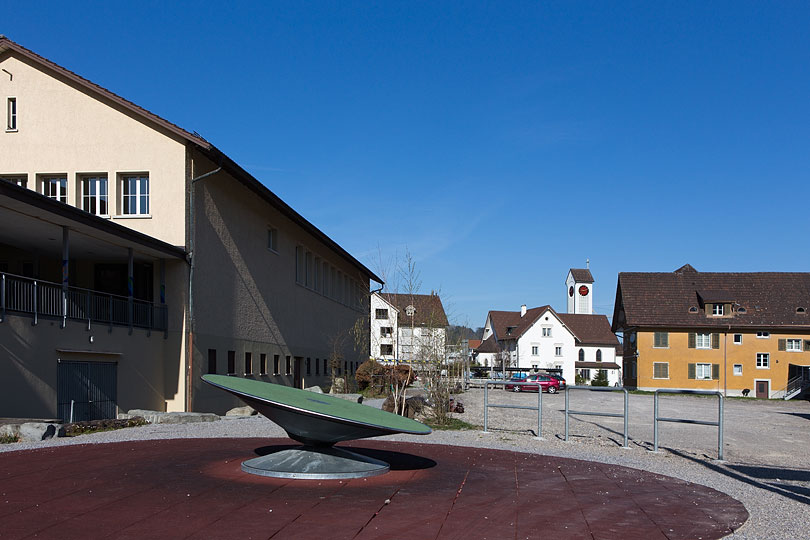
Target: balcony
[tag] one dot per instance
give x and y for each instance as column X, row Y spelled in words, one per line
column 45, row 299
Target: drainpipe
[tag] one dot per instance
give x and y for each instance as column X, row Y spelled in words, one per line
column 725, row 361
column 189, row 372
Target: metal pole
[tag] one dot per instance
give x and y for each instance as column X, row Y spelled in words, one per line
column 626, row 414
column 486, row 403
column 65, row 272
column 35, row 305
column 566, row 413
column 3, row 299
column 655, row 423
column 539, row 411
column 720, row 428
column 71, row 411
column 130, row 287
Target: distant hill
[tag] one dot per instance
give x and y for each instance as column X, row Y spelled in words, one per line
column 460, row 333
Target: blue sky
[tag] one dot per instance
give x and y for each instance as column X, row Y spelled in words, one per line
column 501, row 143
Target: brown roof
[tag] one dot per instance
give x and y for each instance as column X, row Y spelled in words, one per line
column 473, row 343
column 510, row 325
column 206, row 148
column 765, row 300
column 582, row 275
column 429, row 310
column 488, row 345
column 590, row 329
column 596, row 365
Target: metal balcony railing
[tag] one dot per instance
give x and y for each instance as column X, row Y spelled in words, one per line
column 39, row 298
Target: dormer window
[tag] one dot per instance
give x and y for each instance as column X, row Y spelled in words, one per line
column 509, row 330
column 801, row 310
column 718, row 310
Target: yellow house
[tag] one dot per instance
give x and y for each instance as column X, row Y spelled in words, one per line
column 744, row 334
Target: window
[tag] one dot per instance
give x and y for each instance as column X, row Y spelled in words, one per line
column 231, row 362
column 585, row 374
column 288, row 366
column 135, row 195
column 598, row 355
column 262, row 364
column 11, row 118
column 546, row 331
column 794, row 345
column 248, row 363
column 558, row 350
column 309, row 366
column 316, row 275
column 737, row 369
column 386, row 331
column 275, row 365
column 381, row 313
column 717, row 310
column 582, row 355
column 324, row 366
column 55, row 187
column 212, row 361
column 703, row 371
column 661, row 340
column 317, row 367
column 763, row 360
column 660, row 370
column 535, row 350
column 272, row 239
column 308, row 268
column 325, row 274
column 21, row 181
column 763, row 335
column 94, row 195
column 703, row 341
column 737, row 339
column 299, row 264
column 386, row 350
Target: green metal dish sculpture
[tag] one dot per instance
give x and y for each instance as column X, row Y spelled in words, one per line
column 317, row 421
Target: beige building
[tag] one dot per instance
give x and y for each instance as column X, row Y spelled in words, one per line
column 136, row 256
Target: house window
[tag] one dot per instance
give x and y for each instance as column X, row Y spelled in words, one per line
column 582, row 355
column 21, row 181
column 324, row 366
column 94, row 195
column 386, row 331
column 598, row 355
column 231, row 362
column 381, row 313
column 703, row 371
column 661, row 340
column 546, row 331
column 325, row 273
column 737, row 339
column 309, row 366
column 703, row 341
column 308, row 268
column 288, row 366
column 557, row 351
column 275, row 365
column 386, row 350
column 55, row 187
column 717, row 310
column 660, row 370
column 248, row 363
column 135, row 195
column 317, row 367
column 794, row 345
column 763, row 360
column 763, row 335
column 212, row 361
column 316, row 274
column 535, row 350
column 11, row 122
column 737, row 369
column 272, row 239
column 585, row 374
column 262, row 364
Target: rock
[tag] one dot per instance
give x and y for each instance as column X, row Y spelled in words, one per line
column 348, row 397
column 316, row 389
column 241, row 411
column 35, row 431
column 158, row 417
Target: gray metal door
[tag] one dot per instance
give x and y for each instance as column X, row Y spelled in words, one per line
column 92, row 387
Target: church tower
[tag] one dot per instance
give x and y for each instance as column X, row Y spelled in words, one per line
column 579, row 290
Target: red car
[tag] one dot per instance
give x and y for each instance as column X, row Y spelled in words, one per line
column 548, row 384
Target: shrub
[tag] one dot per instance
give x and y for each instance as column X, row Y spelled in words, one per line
column 369, row 372
column 601, row 378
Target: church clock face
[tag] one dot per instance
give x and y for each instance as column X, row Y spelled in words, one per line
column 583, row 290
column 571, row 290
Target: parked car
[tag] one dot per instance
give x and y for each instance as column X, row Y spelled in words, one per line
column 547, row 383
column 559, row 379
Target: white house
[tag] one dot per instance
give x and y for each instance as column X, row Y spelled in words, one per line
column 542, row 339
column 407, row 327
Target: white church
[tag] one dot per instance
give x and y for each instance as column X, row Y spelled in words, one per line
column 540, row 339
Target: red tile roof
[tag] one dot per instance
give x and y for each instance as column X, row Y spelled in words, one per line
column 429, row 311
column 590, row 329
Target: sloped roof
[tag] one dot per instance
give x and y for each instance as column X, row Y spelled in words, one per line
column 582, row 275
column 590, row 329
column 759, row 299
column 429, row 310
column 473, row 343
column 206, row 148
column 488, row 345
column 503, row 321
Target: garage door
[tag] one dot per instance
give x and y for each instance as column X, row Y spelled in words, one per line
column 90, row 387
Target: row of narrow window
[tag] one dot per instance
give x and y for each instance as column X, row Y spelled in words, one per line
column 318, row 275
column 312, row 364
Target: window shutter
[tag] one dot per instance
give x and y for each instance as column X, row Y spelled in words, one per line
column 806, row 345
column 782, row 344
column 715, row 372
column 666, row 338
column 715, row 341
column 691, row 371
column 691, row 340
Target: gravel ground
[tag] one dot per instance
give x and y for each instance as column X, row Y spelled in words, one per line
column 762, row 442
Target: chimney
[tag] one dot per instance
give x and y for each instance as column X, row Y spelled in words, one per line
column 523, row 310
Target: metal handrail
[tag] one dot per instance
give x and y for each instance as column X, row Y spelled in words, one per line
column 624, row 415
column 539, row 407
column 719, row 422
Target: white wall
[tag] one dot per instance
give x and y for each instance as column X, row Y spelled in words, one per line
column 375, row 337
column 546, row 357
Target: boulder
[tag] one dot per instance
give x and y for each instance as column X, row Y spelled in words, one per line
column 316, row 389
column 241, row 411
column 339, row 386
column 159, row 417
column 30, row 431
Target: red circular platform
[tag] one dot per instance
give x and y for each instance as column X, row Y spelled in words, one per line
column 194, row 488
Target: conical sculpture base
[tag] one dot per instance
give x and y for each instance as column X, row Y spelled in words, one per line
column 315, row 463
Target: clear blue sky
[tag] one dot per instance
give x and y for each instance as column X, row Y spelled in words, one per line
column 501, row 142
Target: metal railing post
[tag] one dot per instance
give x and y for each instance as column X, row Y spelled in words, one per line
column 718, row 424
column 720, row 428
column 566, row 413
column 88, row 313
column 626, row 417
column 111, row 311
column 34, row 322
column 3, row 299
column 486, row 404
column 539, row 411
column 655, row 423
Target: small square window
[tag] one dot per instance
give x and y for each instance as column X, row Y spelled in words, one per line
column 763, row 360
column 381, row 314
column 703, row 341
column 55, row 187
column 558, row 351
column 763, row 335
column 94, row 195
column 386, row 349
column 20, row 180
column 737, row 339
column 11, row 118
column 794, row 345
column 661, row 340
column 386, row 331
column 272, row 239
column 135, row 194
column 660, row 370
column 703, row 372
column 546, row 331
column 737, row 369
column 535, row 350
column 718, row 310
